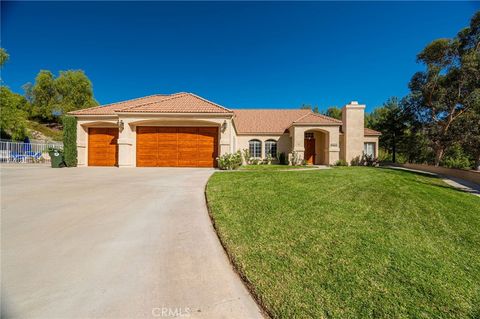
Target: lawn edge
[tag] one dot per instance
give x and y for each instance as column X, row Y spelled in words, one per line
column 243, row 278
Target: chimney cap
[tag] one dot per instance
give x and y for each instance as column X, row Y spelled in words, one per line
column 354, row 102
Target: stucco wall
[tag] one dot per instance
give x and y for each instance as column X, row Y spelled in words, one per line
column 353, row 130
column 372, row 139
column 127, row 136
column 284, row 142
column 82, row 134
column 333, row 134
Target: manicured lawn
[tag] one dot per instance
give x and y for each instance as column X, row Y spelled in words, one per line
column 351, row 242
column 272, row 167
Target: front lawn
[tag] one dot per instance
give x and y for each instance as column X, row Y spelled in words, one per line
column 271, row 167
column 351, row 242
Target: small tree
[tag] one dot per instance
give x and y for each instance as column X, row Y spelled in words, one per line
column 70, row 140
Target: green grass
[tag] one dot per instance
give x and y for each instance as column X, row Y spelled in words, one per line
column 351, row 242
column 272, row 167
column 56, row 135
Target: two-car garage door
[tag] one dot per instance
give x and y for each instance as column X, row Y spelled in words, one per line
column 177, row 146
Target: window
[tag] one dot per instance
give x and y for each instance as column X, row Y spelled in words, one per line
column 369, row 149
column 255, row 148
column 271, row 148
column 309, row 136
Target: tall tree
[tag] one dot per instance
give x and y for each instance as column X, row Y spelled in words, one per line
column 52, row 97
column 392, row 120
column 12, row 115
column 12, row 105
column 450, row 85
column 44, row 95
column 334, row 112
column 74, row 90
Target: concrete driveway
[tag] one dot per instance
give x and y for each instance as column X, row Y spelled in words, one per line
column 113, row 243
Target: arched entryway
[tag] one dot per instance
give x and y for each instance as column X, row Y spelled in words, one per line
column 316, row 147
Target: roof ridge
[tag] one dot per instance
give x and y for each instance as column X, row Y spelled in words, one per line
column 323, row 116
column 301, row 117
column 208, row 101
column 130, row 100
column 170, row 97
column 297, row 110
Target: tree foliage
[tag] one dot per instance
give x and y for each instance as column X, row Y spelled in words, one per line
column 70, row 140
column 3, row 56
column 449, row 86
column 393, row 121
column 13, row 118
column 52, row 97
column 334, row 112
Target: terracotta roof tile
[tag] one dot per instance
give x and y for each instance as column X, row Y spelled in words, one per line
column 275, row 121
column 317, row 119
column 160, row 103
column 369, row 131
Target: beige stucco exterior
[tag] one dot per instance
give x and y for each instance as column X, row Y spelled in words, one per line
column 353, row 117
column 127, row 136
column 332, row 141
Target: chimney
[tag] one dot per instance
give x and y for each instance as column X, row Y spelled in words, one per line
column 353, row 118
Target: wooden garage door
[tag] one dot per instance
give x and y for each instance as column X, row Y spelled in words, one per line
column 102, row 146
column 177, row 146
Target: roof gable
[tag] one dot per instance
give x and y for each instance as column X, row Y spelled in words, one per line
column 159, row 103
column 276, row 121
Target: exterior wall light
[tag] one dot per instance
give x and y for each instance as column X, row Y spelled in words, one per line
column 120, row 124
column 224, row 126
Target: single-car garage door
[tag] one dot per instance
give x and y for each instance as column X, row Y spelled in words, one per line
column 177, row 146
column 102, row 146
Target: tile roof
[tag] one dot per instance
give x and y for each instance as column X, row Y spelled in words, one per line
column 159, row 103
column 317, row 119
column 369, row 131
column 275, row 121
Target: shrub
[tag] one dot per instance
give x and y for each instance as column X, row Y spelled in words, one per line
column 459, row 162
column 295, row 159
column 368, row 160
column 356, row 161
column 70, row 140
column 456, row 158
column 230, row 161
column 364, row 160
column 282, row 159
column 269, row 159
column 254, row 161
column 341, row 163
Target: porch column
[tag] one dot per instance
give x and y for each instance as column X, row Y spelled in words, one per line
column 298, row 141
column 334, row 145
column 82, row 139
column 125, row 145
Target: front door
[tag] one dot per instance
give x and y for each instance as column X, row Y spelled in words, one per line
column 309, row 144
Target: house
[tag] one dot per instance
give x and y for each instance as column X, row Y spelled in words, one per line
column 186, row 130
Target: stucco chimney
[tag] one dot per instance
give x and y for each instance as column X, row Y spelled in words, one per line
column 353, row 118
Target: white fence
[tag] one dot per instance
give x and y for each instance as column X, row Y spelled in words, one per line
column 19, row 152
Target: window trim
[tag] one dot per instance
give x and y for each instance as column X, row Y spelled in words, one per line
column 365, row 148
column 274, row 145
column 251, row 143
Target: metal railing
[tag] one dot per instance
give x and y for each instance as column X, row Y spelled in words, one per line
column 19, row 152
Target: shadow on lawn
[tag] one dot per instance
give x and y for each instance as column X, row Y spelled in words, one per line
column 467, row 187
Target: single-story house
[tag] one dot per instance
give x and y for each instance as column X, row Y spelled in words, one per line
column 186, row 130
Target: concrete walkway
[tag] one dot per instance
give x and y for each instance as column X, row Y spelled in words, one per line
column 113, row 243
column 458, row 183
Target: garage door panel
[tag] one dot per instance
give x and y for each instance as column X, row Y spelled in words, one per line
column 177, row 146
column 102, row 146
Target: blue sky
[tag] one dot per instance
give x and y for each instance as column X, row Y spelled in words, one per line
column 240, row 55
